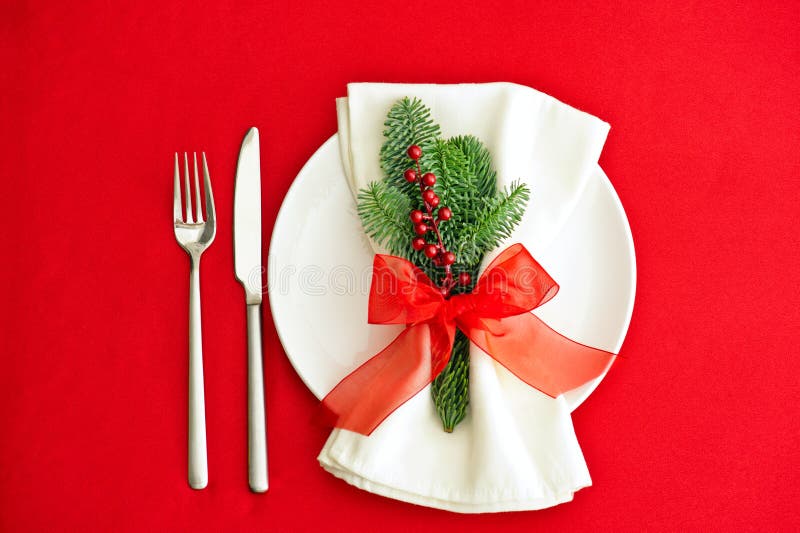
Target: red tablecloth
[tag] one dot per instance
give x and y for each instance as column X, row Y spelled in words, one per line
column 696, row 428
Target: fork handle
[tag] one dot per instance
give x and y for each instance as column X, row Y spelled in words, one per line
column 198, row 461
column 256, row 417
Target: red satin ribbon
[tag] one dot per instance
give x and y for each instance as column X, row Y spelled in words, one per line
column 495, row 316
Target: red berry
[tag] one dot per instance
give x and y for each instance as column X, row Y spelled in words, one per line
column 416, row 216
column 448, row 258
column 434, row 201
column 410, row 175
column 420, row 228
column 464, row 278
column 431, row 250
column 445, row 213
column 429, row 179
column 428, row 195
column 414, row 152
column 418, row 243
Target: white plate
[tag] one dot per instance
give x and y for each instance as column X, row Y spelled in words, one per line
column 319, row 275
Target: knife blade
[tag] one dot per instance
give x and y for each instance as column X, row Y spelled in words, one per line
column 248, row 270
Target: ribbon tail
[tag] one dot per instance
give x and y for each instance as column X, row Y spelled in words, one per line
column 539, row 355
column 373, row 391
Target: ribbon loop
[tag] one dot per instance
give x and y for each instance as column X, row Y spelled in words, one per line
column 401, row 293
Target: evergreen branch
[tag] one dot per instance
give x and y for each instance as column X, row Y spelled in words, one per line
column 408, row 122
column 483, row 178
column 450, row 389
column 496, row 221
column 481, row 218
column 384, row 214
column 452, row 172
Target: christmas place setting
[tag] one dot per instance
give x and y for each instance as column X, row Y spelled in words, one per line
column 399, row 266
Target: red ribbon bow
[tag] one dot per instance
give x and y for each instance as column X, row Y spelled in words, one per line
column 495, row 317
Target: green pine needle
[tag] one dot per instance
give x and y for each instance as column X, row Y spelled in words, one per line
column 496, row 221
column 482, row 175
column 450, row 389
column 384, row 214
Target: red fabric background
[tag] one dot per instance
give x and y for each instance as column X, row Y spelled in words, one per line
column 697, row 428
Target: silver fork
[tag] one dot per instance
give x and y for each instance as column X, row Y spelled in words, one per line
column 195, row 235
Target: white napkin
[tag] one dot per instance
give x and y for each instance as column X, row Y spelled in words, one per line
column 516, row 448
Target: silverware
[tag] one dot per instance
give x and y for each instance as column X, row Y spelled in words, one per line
column 194, row 235
column 247, row 261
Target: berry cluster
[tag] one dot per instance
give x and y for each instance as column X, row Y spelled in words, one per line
column 426, row 221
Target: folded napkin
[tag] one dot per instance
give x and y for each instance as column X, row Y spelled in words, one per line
column 516, row 448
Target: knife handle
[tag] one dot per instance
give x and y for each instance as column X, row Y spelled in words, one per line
column 256, row 416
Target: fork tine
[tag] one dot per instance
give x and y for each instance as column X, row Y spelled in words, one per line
column 177, row 209
column 210, row 213
column 187, row 190
column 198, row 207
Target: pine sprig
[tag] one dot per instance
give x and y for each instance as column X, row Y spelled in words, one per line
column 482, row 216
column 450, row 385
column 384, row 214
column 451, row 167
column 495, row 221
column 483, row 178
column 408, row 122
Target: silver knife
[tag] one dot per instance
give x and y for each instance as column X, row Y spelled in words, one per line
column 247, row 264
